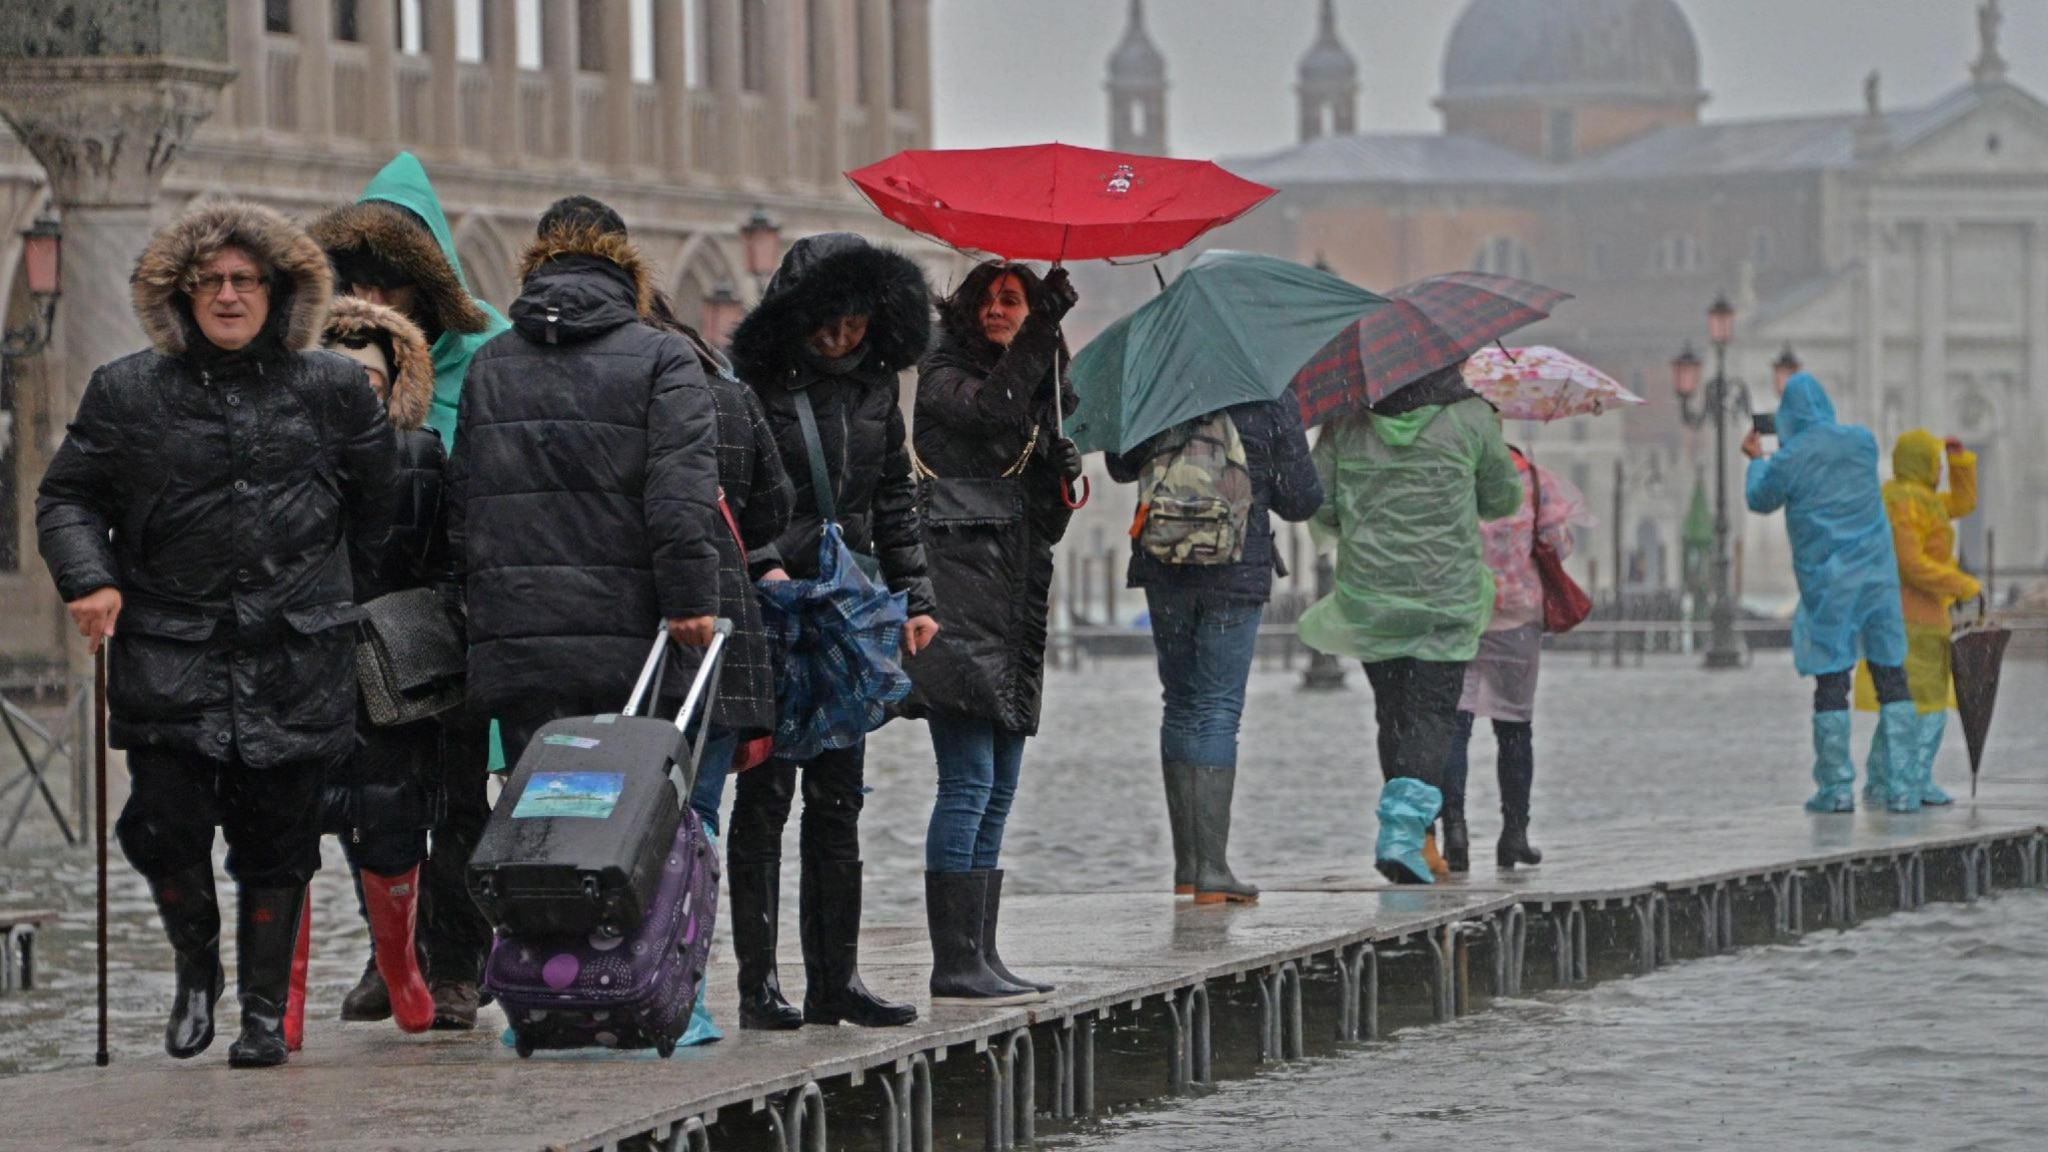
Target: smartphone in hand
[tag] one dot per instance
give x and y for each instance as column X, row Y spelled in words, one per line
column 1765, row 423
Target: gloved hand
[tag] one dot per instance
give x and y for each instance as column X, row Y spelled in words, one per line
column 1056, row 296
column 1067, row 455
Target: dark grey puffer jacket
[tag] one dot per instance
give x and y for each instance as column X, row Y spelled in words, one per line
column 231, row 483
column 583, row 491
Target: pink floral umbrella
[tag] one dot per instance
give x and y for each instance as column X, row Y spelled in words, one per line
column 1542, row 383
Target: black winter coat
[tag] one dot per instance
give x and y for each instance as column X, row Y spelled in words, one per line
column 218, row 491
column 583, row 491
column 1283, row 482
column 860, row 426
column 992, row 512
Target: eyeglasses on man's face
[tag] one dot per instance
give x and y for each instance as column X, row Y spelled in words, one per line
column 206, row 285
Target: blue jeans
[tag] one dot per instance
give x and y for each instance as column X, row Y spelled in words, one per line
column 978, row 768
column 710, row 790
column 1205, row 644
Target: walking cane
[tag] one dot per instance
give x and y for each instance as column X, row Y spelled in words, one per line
column 99, row 824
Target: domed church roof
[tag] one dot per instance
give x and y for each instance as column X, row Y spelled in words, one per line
column 1572, row 50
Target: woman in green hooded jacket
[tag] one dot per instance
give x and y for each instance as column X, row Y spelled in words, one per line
column 1407, row 483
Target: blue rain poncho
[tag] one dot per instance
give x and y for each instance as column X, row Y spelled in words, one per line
column 1824, row 476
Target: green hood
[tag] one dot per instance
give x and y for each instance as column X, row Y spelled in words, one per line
column 1403, row 430
column 404, row 182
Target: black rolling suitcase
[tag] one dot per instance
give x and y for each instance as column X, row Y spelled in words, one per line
column 577, row 841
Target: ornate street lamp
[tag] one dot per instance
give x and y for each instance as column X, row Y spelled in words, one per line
column 722, row 310
column 761, row 238
column 1784, row 368
column 42, row 252
column 1722, row 399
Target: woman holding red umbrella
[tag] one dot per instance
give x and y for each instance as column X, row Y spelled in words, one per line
column 991, row 463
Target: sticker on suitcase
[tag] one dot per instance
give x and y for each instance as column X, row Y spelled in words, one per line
column 560, row 740
column 590, row 795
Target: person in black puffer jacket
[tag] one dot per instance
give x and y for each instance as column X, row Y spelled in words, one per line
column 839, row 320
column 583, row 491
column 757, row 493
column 992, row 464
column 203, row 503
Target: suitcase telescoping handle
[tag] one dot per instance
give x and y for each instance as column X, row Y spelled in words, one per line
column 703, row 691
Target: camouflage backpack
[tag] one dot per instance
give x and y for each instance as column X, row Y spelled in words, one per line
column 1195, row 497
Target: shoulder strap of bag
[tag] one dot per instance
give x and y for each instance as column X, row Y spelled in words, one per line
column 732, row 526
column 1535, row 508
column 821, row 481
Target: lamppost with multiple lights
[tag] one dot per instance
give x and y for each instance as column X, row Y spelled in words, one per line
column 1723, row 398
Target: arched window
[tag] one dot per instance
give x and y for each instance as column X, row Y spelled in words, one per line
column 1679, row 254
column 1505, row 256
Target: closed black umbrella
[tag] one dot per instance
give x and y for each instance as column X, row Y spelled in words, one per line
column 1976, row 657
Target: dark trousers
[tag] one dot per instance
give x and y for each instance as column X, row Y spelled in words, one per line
column 1831, row 689
column 1416, row 704
column 1515, row 768
column 270, row 816
column 384, row 851
column 830, row 831
column 453, row 933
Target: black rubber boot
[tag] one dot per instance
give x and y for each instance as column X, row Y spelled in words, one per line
column 266, row 932
column 1214, row 882
column 1457, row 842
column 756, row 889
column 1514, row 845
column 191, row 915
column 1180, row 813
column 828, row 913
column 369, row 1000
column 954, row 906
column 991, row 910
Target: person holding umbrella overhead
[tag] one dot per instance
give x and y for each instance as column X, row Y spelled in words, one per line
column 990, row 461
column 1930, row 583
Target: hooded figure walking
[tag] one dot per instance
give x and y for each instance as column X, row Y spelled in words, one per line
column 198, row 520
column 393, row 247
column 840, row 319
column 1824, row 477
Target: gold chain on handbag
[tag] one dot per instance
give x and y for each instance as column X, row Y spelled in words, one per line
column 917, row 465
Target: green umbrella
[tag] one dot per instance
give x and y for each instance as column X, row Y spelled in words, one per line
column 1234, row 328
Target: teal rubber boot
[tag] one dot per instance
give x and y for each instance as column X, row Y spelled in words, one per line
column 1834, row 774
column 1932, row 725
column 1899, row 727
column 1877, row 767
column 1407, row 809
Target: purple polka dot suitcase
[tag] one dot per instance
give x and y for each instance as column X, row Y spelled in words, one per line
column 625, row 992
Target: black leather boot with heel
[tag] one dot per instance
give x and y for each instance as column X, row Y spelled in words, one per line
column 266, row 934
column 954, row 907
column 191, row 914
column 828, row 915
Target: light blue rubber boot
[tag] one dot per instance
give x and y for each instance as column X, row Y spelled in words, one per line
column 1877, row 768
column 1932, row 725
column 1407, row 809
column 1899, row 727
column 1834, row 774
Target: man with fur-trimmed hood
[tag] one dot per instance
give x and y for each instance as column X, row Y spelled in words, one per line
column 394, row 247
column 198, row 518
column 583, row 491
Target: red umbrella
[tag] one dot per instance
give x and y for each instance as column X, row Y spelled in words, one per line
column 1425, row 327
column 1055, row 201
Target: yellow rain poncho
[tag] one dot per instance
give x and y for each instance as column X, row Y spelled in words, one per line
column 1930, row 582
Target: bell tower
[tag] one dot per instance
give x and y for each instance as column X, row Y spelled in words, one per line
column 1328, row 83
column 1137, row 90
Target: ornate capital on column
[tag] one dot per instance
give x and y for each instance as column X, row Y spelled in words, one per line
column 107, row 128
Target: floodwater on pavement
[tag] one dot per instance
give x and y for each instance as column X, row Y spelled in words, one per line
column 1914, row 1031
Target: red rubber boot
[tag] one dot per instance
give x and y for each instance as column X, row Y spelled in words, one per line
column 393, row 903
column 295, row 1000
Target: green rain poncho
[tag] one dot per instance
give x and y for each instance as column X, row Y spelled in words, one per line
column 1404, row 498
column 404, row 182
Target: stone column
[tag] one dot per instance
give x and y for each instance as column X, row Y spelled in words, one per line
column 2029, row 444
column 780, row 82
column 379, row 27
column 915, row 19
column 725, row 48
column 250, row 95
column 501, row 52
column 1931, row 400
column 313, row 26
column 558, row 55
column 826, row 36
column 881, row 78
column 1867, row 350
column 446, row 85
column 622, row 133
column 672, row 72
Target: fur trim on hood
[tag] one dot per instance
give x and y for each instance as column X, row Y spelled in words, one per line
column 412, row 377
column 384, row 233
column 300, row 291
column 825, row 277
column 589, row 240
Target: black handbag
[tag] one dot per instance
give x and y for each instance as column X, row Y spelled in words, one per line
column 410, row 660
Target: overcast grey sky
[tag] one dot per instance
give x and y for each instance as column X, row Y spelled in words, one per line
column 1021, row 71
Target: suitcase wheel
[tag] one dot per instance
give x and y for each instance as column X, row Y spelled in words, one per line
column 664, row 1048
column 523, row 1046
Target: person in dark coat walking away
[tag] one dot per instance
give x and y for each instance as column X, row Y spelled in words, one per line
column 839, row 320
column 756, row 496
column 583, row 492
column 199, row 515
column 990, row 461
column 393, row 246
column 1205, row 613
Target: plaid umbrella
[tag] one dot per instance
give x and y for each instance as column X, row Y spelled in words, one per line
column 1425, row 327
column 835, row 640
